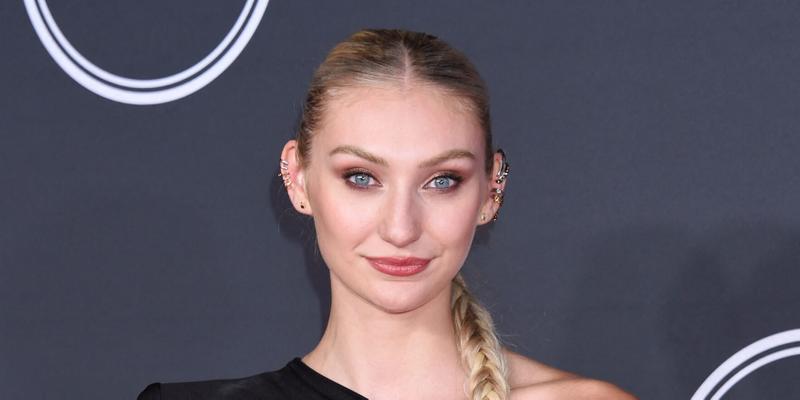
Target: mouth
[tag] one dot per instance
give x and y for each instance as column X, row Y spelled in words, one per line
column 395, row 266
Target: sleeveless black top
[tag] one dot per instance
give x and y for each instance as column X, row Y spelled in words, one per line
column 295, row 381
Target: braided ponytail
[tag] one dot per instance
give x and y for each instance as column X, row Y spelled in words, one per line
column 480, row 349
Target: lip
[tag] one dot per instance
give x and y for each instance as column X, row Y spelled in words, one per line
column 399, row 266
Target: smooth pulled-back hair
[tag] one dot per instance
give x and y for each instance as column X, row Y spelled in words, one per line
column 383, row 57
column 375, row 57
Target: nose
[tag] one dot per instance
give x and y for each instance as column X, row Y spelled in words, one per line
column 400, row 223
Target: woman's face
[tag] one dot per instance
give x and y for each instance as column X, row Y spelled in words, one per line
column 394, row 173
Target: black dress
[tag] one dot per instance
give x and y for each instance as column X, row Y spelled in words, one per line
column 296, row 380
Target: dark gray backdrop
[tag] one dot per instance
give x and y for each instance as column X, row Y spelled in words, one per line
column 651, row 227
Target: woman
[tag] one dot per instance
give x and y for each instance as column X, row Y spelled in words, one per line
column 394, row 162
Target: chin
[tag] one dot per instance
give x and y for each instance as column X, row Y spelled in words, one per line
column 401, row 297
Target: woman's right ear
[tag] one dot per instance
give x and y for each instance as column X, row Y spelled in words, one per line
column 293, row 176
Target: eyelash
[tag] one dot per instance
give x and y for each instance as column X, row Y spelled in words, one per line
column 450, row 175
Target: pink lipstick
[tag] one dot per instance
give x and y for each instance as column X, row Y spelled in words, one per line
column 394, row 266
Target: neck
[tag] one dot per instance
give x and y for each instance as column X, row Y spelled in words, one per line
column 384, row 355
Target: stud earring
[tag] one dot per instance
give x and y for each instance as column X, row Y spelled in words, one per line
column 302, row 205
column 483, row 217
column 287, row 178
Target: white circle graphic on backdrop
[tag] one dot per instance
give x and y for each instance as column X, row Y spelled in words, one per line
column 748, row 360
column 144, row 91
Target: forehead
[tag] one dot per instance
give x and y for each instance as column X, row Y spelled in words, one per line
column 410, row 123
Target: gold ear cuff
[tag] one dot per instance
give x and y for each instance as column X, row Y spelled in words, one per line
column 287, row 178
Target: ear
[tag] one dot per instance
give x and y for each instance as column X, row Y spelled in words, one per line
column 490, row 206
column 295, row 178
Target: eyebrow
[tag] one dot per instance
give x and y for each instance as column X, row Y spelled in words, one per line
column 359, row 152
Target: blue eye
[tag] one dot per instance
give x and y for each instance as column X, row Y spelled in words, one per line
column 359, row 179
column 444, row 182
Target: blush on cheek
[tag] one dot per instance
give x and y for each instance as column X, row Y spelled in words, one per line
column 342, row 222
column 454, row 223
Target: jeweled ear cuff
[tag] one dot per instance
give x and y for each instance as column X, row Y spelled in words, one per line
column 502, row 174
column 284, row 174
column 287, row 178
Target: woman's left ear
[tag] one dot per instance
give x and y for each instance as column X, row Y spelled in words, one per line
column 497, row 187
column 293, row 176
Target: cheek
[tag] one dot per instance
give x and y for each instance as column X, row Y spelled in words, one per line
column 453, row 221
column 337, row 217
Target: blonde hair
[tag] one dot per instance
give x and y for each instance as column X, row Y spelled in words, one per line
column 381, row 56
column 480, row 348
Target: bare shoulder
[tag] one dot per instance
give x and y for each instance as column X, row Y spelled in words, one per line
column 532, row 380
